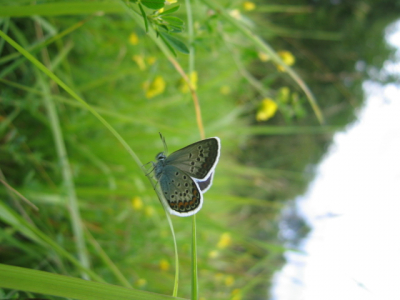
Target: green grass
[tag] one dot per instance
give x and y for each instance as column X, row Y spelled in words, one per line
column 77, row 129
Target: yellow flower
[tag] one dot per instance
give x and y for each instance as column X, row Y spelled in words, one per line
column 133, row 39
column 224, row 241
column 225, row 90
column 184, row 88
column 266, row 110
column 164, row 265
column 139, row 59
column 156, row 87
column 141, row 282
column 229, row 280
column 287, row 58
column 247, row 5
column 263, row 56
column 137, row 203
column 167, row 2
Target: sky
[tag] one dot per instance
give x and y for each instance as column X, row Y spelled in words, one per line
column 353, row 206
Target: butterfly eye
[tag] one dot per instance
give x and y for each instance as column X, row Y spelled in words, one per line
column 160, row 156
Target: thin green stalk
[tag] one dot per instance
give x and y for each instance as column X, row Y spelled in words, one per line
column 176, row 280
column 14, row 191
column 195, row 285
column 163, row 203
column 189, row 26
column 5, row 29
column 107, row 261
column 190, row 33
column 69, row 184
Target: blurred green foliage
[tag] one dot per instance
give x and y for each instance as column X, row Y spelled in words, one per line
column 110, row 61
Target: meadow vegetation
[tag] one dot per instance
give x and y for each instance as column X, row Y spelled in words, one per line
column 85, row 89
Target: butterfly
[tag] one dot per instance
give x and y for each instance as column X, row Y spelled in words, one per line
column 186, row 174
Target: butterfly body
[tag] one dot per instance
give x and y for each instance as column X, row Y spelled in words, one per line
column 186, row 174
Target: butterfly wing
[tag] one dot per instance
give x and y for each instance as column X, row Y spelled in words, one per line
column 198, row 159
column 206, row 183
column 181, row 192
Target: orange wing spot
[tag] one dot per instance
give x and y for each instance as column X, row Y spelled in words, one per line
column 195, row 192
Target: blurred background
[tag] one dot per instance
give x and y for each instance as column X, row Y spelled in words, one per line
column 299, row 209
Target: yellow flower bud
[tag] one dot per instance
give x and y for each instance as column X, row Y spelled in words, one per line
column 266, row 110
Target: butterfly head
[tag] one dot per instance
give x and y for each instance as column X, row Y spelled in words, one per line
column 161, row 156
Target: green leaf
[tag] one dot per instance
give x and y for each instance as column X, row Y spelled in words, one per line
column 174, row 42
column 169, row 11
column 174, row 21
column 164, row 27
column 146, row 24
column 166, row 43
column 153, row 4
column 174, row 29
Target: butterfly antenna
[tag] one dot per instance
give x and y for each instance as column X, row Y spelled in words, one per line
column 165, row 144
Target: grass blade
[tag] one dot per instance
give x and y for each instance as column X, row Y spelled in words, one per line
column 64, row 286
column 66, row 171
column 58, row 9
